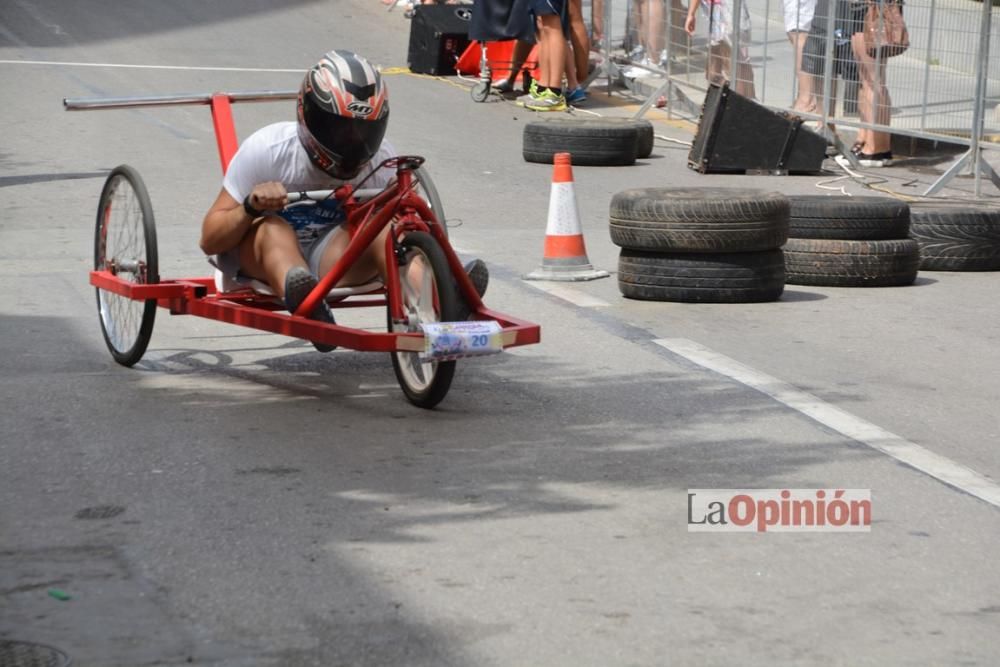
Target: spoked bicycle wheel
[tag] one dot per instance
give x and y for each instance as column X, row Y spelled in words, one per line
column 125, row 245
column 428, row 291
column 427, row 190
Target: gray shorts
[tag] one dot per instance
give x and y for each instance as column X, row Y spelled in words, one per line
column 312, row 250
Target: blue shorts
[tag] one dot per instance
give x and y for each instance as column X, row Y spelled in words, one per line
column 545, row 7
column 314, row 224
column 549, row 8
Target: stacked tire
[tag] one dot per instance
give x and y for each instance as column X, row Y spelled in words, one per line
column 840, row 241
column 702, row 245
column 956, row 236
column 604, row 142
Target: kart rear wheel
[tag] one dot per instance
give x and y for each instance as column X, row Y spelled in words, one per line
column 125, row 245
column 428, row 292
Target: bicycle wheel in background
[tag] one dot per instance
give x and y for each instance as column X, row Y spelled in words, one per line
column 427, row 190
column 125, row 245
column 428, row 292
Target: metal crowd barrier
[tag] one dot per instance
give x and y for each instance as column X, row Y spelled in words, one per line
column 945, row 87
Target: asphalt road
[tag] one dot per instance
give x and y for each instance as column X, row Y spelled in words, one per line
column 267, row 505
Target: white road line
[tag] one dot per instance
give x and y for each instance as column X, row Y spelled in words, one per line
column 171, row 67
column 924, row 460
column 575, row 297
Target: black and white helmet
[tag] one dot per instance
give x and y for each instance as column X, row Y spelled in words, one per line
column 343, row 112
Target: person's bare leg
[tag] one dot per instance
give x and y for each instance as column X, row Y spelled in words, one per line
column 552, row 50
column 639, row 22
column 522, row 50
column 371, row 263
column 579, row 39
column 881, row 142
column 572, row 81
column 597, row 20
column 268, row 251
column 744, row 78
column 718, row 63
column 873, row 98
column 805, row 99
column 519, row 56
column 655, row 29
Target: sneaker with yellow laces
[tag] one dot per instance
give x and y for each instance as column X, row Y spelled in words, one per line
column 545, row 100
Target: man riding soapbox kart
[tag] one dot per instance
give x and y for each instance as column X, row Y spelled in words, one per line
column 423, row 337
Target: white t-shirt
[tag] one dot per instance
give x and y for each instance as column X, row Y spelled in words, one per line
column 274, row 153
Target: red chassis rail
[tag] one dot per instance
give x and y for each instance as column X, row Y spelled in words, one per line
column 199, row 297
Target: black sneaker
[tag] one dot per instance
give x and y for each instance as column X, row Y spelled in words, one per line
column 480, row 277
column 298, row 283
column 883, row 159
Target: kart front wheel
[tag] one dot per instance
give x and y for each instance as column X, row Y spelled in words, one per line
column 428, row 295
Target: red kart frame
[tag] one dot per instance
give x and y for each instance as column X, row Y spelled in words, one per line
column 367, row 212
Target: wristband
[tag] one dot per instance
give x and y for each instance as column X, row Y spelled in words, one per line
column 251, row 211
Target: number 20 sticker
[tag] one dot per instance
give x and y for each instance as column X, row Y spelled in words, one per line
column 451, row 340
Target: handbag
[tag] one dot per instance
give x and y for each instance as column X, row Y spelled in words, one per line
column 884, row 29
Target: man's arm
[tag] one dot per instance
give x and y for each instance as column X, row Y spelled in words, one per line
column 228, row 220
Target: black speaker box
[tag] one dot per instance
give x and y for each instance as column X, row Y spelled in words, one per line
column 439, row 34
column 737, row 135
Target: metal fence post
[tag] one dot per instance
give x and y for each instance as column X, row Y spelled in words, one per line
column 607, row 42
column 979, row 109
column 974, row 157
column 734, row 42
column 763, row 81
column 927, row 67
column 831, row 26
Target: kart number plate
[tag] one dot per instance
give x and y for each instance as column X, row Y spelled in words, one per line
column 453, row 340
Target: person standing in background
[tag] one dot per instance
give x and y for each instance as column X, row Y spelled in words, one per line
column 546, row 94
column 579, row 39
column 597, row 23
column 873, row 147
column 721, row 25
column 798, row 21
column 649, row 28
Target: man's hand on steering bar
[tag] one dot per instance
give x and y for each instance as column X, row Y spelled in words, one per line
column 270, row 196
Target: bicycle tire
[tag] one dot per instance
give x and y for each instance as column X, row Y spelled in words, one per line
column 425, row 384
column 427, row 190
column 126, row 324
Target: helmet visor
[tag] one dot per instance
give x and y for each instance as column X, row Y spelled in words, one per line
column 350, row 142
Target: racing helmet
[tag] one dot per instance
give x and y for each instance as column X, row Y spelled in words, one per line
column 343, row 112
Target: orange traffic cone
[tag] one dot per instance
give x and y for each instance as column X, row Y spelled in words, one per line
column 565, row 255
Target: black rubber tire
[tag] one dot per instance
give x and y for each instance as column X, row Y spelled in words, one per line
column 744, row 277
column 590, row 142
column 699, row 219
column 644, row 131
column 848, row 218
column 644, row 137
column 956, row 236
column 835, row 263
column 430, row 193
column 129, row 351
column 448, row 311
